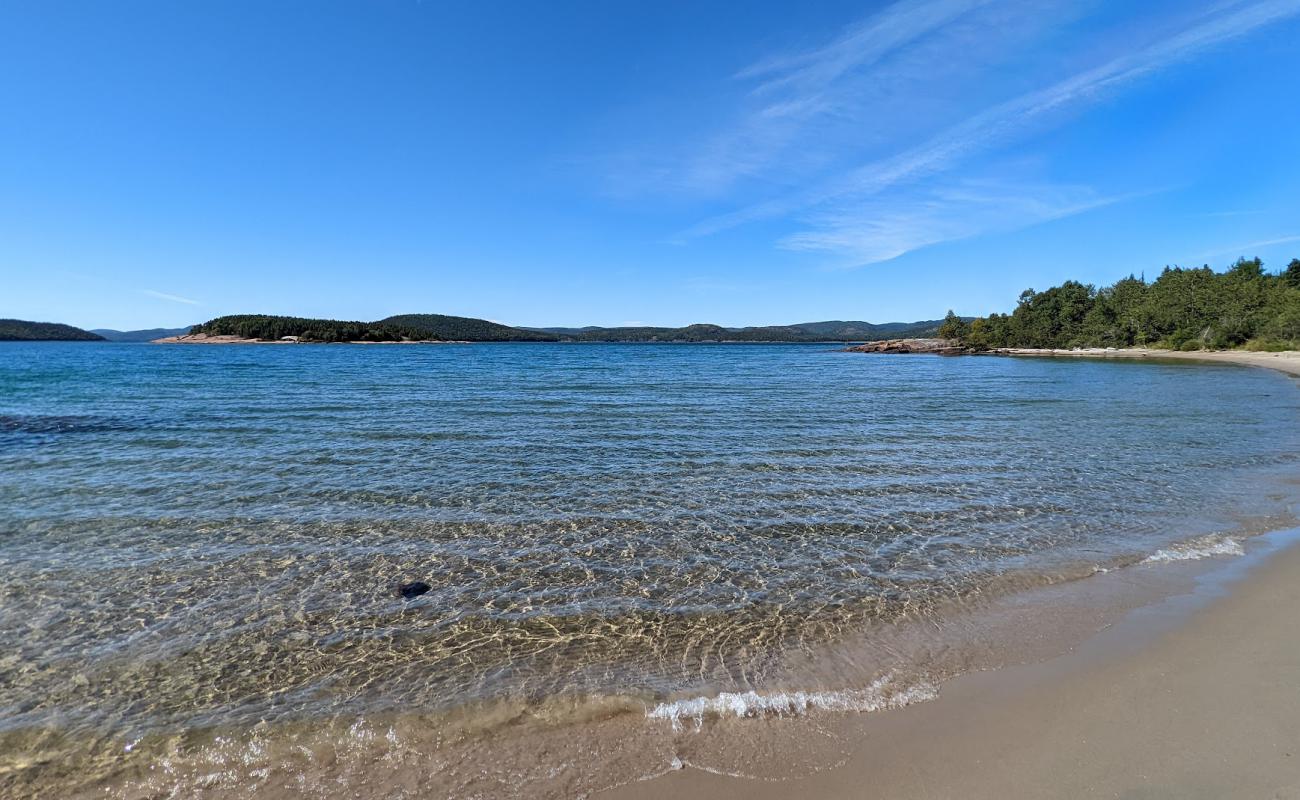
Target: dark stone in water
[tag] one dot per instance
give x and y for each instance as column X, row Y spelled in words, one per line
column 412, row 590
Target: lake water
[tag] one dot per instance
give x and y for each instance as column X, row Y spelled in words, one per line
column 199, row 545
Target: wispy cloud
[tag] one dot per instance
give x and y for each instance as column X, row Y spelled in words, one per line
column 1248, row 248
column 878, row 231
column 864, row 43
column 1001, row 121
column 171, row 297
column 801, row 110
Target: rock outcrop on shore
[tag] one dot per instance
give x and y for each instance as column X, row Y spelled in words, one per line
column 207, row 338
column 943, row 347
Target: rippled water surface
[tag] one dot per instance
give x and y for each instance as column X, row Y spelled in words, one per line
column 209, row 537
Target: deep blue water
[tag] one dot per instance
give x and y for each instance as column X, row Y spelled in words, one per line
column 208, row 535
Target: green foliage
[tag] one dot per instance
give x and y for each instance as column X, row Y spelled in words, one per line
column 439, row 327
column 1292, row 274
column 953, row 327
column 271, row 328
column 1185, row 309
column 831, row 331
column 465, row 329
column 18, row 330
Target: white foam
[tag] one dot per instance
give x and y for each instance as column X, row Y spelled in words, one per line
column 881, row 695
column 1202, row 547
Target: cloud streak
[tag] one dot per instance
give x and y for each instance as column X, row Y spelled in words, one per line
column 804, row 109
column 880, row 231
column 836, row 209
column 1243, row 249
column 863, row 44
column 174, row 298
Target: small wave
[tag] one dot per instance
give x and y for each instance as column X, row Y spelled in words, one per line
column 1201, row 547
column 881, row 695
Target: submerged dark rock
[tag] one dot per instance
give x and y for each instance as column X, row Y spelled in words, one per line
column 412, row 590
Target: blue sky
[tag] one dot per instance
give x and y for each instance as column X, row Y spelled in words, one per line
column 163, row 163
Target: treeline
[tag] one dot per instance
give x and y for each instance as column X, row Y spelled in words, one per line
column 805, row 332
column 700, row 332
column 21, row 330
column 465, row 329
column 442, row 327
column 262, row 326
column 1183, row 309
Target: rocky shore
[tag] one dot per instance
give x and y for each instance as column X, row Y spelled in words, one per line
column 943, row 347
column 205, row 338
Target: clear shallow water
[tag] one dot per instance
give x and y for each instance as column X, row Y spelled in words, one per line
column 202, row 538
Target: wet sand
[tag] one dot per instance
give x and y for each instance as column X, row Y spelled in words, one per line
column 1193, row 696
column 1196, row 696
column 1287, row 361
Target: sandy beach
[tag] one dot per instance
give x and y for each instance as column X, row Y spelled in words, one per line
column 1286, row 361
column 1196, row 695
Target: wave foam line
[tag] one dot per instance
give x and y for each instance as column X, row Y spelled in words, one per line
column 1202, row 547
column 881, row 695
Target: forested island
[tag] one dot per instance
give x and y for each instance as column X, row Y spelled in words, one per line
column 1183, row 309
column 21, row 330
column 463, row 329
column 265, row 327
column 444, row 328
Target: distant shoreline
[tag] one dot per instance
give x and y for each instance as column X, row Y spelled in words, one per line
column 204, row 338
column 1287, row 361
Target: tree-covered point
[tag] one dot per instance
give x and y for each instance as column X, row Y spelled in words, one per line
column 830, row 331
column 466, row 329
column 271, row 328
column 1183, row 309
column 441, row 327
column 20, row 330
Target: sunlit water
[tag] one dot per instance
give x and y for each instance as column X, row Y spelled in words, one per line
column 209, row 538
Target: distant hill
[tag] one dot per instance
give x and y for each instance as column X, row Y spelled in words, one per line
column 17, row 330
column 139, row 336
column 267, row 327
column 441, row 327
column 830, row 331
column 466, row 329
column 846, row 329
column 566, row 331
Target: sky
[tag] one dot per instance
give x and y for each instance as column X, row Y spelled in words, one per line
column 598, row 163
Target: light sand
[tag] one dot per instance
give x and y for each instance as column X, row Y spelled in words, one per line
column 1195, row 697
column 1287, row 361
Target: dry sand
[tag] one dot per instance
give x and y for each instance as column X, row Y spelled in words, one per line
column 1287, row 361
column 1194, row 696
column 1197, row 696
